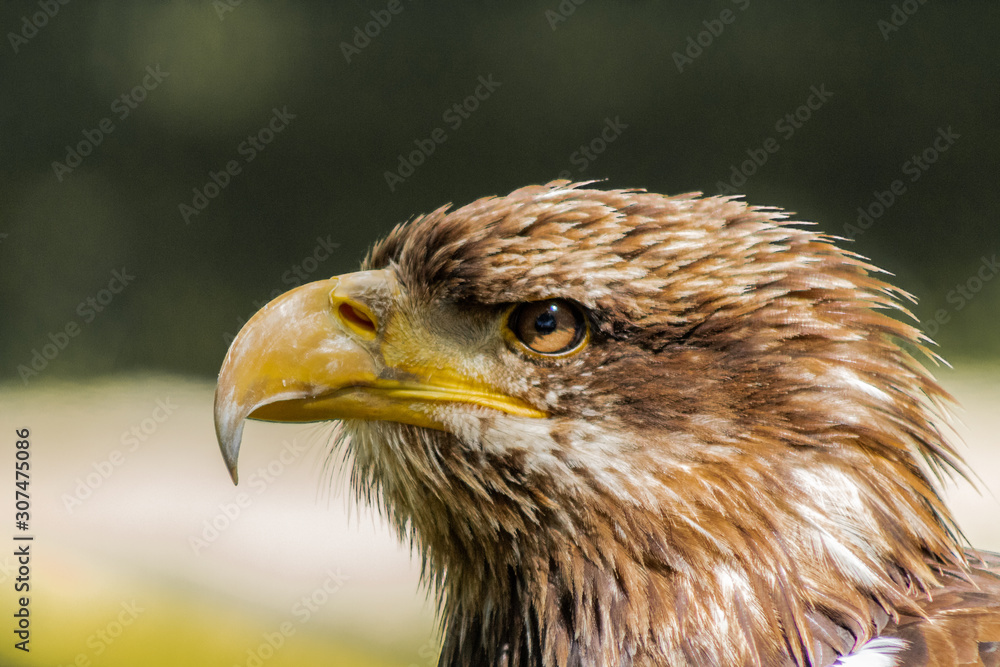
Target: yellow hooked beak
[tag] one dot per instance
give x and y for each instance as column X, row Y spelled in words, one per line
column 318, row 352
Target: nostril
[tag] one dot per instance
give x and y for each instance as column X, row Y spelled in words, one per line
column 358, row 320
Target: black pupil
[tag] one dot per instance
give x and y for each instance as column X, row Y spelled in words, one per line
column 545, row 323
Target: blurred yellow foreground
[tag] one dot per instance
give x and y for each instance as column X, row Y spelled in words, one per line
column 144, row 552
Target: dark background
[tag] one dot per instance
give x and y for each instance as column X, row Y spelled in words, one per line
column 324, row 174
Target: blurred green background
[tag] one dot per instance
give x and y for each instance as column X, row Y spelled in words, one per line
column 168, row 167
column 225, row 68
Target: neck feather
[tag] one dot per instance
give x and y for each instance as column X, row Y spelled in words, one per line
column 685, row 563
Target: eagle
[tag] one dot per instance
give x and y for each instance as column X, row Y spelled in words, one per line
column 624, row 429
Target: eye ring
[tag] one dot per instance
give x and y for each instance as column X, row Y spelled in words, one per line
column 550, row 328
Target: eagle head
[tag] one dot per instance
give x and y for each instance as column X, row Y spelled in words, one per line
column 623, row 428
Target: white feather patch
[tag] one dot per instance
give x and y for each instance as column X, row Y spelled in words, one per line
column 879, row 652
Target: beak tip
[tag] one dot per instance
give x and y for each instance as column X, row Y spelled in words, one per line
column 229, row 433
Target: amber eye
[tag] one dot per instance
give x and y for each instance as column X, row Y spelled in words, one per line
column 549, row 327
